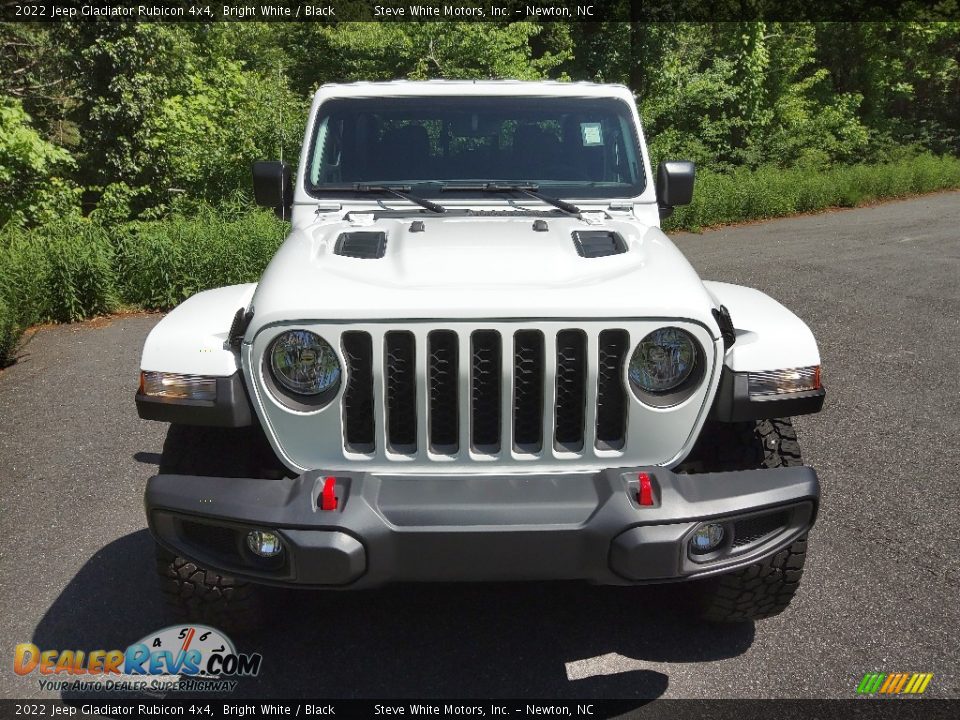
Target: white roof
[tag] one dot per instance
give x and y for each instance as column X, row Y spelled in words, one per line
column 397, row 88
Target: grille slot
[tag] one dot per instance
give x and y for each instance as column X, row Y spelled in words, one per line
column 401, row 389
column 746, row 532
column 358, row 394
column 611, row 396
column 485, row 391
column 442, row 378
column 221, row 540
column 528, row 391
column 571, row 390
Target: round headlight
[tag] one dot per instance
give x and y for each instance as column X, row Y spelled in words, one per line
column 663, row 360
column 304, row 363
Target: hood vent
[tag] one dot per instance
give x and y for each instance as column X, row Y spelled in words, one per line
column 598, row 243
column 365, row 245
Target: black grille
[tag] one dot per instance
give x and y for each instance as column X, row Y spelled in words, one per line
column 401, row 392
column 365, row 245
column 358, row 395
column 528, row 391
column 427, row 380
column 752, row 529
column 571, row 387
column 598, row 243
column 211, row 538
column 611, row 398
column 444, row 415
column 485, row 391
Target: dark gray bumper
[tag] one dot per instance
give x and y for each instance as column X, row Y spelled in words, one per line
column 513, row 527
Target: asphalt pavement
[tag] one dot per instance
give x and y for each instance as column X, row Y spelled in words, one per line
column 879, row 286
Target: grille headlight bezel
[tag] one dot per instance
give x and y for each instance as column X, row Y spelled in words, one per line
column 302, row 369
column 654, row 355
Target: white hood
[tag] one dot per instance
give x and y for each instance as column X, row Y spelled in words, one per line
column 478, row 267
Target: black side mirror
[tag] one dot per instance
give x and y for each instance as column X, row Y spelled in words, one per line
column 273, row 187
column 674, row 185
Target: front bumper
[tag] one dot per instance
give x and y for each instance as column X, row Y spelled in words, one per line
column 389, row 528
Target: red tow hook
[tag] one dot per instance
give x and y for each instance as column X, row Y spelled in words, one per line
column 328, row 499
column 645, row 495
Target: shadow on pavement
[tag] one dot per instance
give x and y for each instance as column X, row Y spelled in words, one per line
column 537, row 640
column 147, row 458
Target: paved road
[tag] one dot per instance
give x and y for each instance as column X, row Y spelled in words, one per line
column 881, row 289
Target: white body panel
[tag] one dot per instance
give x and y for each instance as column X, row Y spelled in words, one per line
column 769, row 337
column 472, row 268
column 192, row 338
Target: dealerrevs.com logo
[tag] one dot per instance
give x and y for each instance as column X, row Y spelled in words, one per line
column 179, row 657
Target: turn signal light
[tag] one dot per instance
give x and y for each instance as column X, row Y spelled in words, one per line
column 781, row 382
column 175, row 385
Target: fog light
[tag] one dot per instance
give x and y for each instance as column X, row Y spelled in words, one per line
column 707, row 538
column 263, row 543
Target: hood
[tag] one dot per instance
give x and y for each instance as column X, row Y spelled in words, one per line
column 470, row 267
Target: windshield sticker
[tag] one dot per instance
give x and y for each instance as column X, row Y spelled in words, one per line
column 592, row 134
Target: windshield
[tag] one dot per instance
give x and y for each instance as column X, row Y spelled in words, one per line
column 572, row 147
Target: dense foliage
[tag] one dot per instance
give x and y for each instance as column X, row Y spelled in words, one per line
column 77, row 267
column 125, row 147
column 127, row 119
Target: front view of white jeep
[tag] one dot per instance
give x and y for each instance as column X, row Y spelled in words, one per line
column 477, row 357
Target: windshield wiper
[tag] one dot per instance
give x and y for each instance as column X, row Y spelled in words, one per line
column 530, row 189
column 400, row 191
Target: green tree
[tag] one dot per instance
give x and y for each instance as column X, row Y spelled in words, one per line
column 33, row 188
column 386, row 51
column 33, row 72
column 168, row 113
column 907, row 73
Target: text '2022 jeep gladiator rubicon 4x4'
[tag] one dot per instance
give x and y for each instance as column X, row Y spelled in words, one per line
column 477, row 357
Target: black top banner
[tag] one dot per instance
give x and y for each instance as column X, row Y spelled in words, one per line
column 504, row 11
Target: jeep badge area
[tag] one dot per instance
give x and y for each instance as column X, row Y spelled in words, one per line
column 477, row 357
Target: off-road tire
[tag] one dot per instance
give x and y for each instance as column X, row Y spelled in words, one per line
column 194, row 593
column 765, row 588
column 757, row 591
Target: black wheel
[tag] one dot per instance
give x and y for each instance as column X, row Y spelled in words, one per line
column 766, row 588
column 192, row 592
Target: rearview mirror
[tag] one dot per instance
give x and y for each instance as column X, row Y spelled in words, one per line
column 272, row 186
column 674, row 185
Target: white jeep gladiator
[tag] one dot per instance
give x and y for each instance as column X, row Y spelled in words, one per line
column 477, row 357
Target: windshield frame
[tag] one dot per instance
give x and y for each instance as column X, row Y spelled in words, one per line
column 430, row 189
